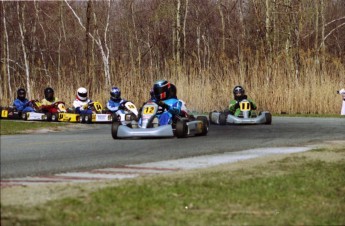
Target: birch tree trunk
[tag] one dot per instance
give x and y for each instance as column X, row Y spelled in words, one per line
column 88, row 24
column 223, row 27
column 268, row 39
column 21, row 21
column 178, row 32
column 241, row 41
column 316, row 45
column 39, row 47
column 136, row 35
column 184, row 32
column 6, row 65
column 323, row 22
column 97, row 39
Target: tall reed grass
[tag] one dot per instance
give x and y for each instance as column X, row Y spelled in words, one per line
column 273, row 87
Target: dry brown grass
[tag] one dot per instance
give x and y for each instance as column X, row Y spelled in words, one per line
column 210, row 89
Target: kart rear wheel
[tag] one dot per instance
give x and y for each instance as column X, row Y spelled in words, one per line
column 210, row 117
column 205, row 125
column 88, row 118
column 181, row 130
column 222, row 118
column 24, row 116
column 114, row 128
column 268, row 117
column 49, row 117
column 54, row 117
column 82, row 118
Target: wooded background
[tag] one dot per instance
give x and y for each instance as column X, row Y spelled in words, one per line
column 288, row 54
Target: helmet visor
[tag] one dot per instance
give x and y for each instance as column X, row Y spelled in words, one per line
column 82, row 94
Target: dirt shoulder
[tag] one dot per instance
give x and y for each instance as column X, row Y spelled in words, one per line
column 39, row 194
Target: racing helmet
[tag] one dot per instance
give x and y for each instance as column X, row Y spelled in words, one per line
column 21, row 94
column 238, row 92
column 49, row 94
column 173, row 91
column 161, row 89
column 115, row 93
column 82, row 93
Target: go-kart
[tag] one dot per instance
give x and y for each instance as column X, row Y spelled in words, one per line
column 247, row 116
column 98, row 114
column 10, row 113
column 54, row 112
column 147, row 125
column 126, row 114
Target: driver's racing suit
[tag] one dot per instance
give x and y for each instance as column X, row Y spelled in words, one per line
column 82, row 106
column 173, row 107
column 234, row 107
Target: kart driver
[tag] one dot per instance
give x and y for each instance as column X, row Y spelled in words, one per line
column 81, row 103
column 163, row 95
column 48, row 103
column 115, row 102
column 21, row 103
column 239, row 95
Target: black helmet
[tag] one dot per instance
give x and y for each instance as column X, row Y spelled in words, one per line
column 21, row 94
column 49, row 94
column 161, row 89
column 173, row 91
column 238, row 92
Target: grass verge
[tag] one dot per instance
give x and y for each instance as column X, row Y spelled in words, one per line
column 296, row 190
column 8, row 127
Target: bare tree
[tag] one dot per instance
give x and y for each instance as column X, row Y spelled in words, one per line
column 21, row 21
column 97, row 39
column 6, row 61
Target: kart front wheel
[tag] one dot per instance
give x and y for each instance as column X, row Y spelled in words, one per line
column 181, row 129
column 114, row 128
column 268, row 117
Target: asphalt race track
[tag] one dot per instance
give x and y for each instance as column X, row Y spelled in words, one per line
column 57, row 152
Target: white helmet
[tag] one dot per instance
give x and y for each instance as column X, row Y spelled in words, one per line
column 82, row 93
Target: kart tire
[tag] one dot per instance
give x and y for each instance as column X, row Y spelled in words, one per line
column 114, row 128
column 49, row 117
column 210, row 117
column 268, row 117
column 205, row 125
column 114, row 117
column 54, row 117
column 82, row 118
column 24, row 116
column 88, row 118
column 181, row 130
column 222, row 118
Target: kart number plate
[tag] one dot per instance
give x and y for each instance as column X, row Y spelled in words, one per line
column 98, row 106
column 4, row 114
column 149, row 110
column 130, row 106
column 245, row 106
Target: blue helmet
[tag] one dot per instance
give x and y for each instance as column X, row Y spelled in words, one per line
column 115, row 93
column 161, row 89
